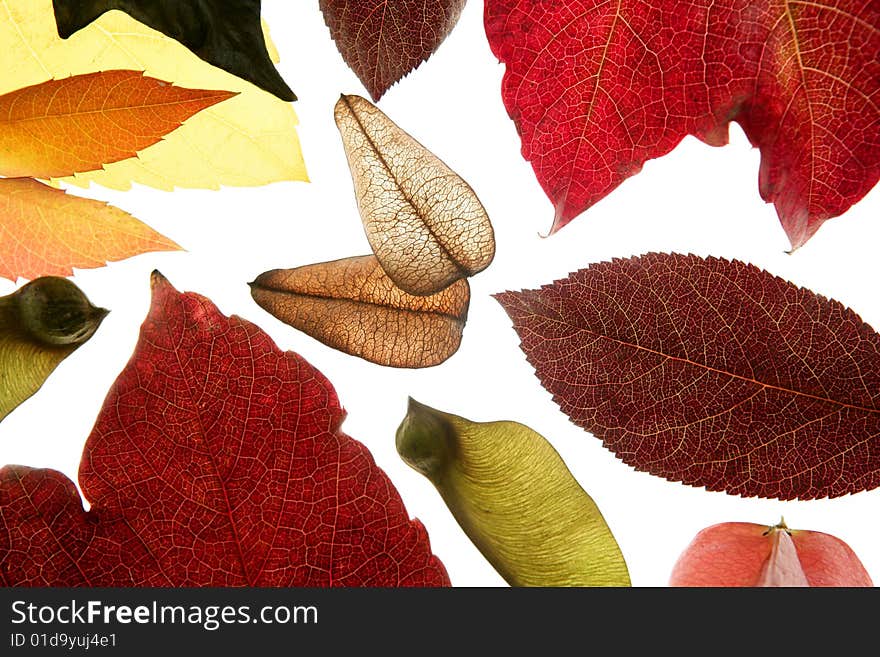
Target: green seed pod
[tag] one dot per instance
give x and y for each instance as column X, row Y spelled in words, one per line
column 515, row 499
column 55, row 312
column 41, row 324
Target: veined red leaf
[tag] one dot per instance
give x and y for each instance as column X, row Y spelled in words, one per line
column 747, row 554
column 597, row 88
column 61, row 127
column 711, row 372
column 217, row 460
column 383, row 40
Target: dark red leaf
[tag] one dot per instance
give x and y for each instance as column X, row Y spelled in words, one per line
column 597, row 88
column 383, row 40
column 711, row 372
column 217, row 460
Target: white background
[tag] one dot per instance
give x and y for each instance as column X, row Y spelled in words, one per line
column 698, row 200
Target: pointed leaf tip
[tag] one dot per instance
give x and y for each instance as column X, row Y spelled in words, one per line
column 158, row 282
column 228, row 35
column 46, row 231
column 72, row 125
column 384, row 41
column 818, row 143
column 248, row 494
column 219, row 147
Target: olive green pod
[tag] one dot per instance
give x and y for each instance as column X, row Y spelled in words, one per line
column 515, row 498
column 41, row 324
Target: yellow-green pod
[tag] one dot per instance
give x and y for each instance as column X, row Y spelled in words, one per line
column 514, row 497
column 41, row 324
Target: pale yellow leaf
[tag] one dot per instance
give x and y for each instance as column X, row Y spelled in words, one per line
column 270, row 44
column 249, row 140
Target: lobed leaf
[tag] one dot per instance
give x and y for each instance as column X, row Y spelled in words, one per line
column 44, row 231
column 710, row 372
column 41, row 324
column 225, row 33
column 353, row 306
column 597, row 88
column 425, row 224
column 383, row 40
column 216, row 460
column 513, row 496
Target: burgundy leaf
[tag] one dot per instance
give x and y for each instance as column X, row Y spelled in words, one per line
column 383, row 40
column 217, row 460
column 597, row 88
column 711, row 372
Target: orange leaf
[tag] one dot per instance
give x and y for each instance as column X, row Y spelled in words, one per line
column 43, row 231
column 61, row 127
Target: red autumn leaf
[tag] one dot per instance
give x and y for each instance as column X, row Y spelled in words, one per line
column 747, row 554
column 217, row 460
column 383, row 40
column 711, row 372
column 597, row 88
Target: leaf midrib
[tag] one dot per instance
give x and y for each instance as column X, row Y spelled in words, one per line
column 709, row 368
column 228, row 512
column 126, row 108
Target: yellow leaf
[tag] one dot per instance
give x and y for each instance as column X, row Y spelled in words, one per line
column 270, row 44
column 41, row 324
column 46, row 231
column 515, row 499
column 248, row 140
